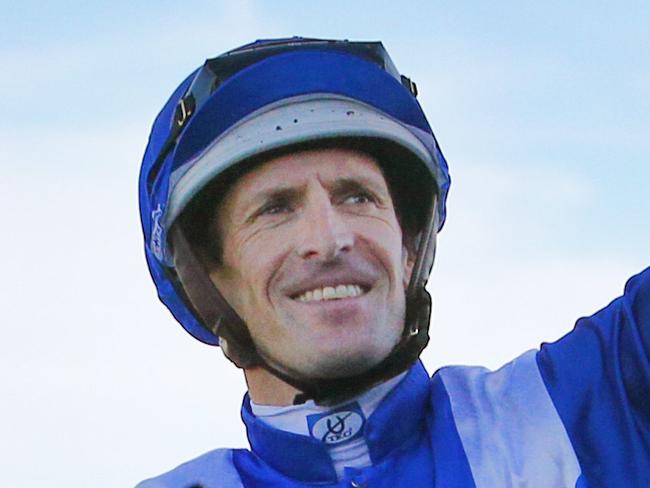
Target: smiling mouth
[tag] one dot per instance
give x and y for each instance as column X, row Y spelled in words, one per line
column 337, row 292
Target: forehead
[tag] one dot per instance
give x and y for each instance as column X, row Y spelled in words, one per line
column 297, row 168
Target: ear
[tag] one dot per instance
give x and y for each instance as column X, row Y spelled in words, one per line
column 408, row 261
column 224, row 348
column 223, row 344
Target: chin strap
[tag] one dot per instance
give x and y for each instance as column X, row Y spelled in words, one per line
column 220, row 318
column 209, row 305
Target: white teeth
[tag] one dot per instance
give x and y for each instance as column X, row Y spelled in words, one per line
column 331, row 293
column 307, row 297
column 341, row 291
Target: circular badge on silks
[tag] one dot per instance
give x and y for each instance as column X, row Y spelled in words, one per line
column 339, row 425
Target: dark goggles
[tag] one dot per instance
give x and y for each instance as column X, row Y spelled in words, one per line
column 216, row 70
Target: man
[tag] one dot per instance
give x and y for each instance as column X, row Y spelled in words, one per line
column 290, row 197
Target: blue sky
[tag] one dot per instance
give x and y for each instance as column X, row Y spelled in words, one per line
column 542, row 110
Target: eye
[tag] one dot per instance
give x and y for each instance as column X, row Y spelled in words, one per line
column 275, row 207
column 359, row 198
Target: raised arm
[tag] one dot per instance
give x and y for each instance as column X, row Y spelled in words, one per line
column 598, row 377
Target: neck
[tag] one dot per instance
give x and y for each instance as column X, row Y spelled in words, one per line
column 264, row 388
column 267, row 389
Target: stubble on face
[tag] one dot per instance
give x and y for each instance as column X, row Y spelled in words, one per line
column 293, row 229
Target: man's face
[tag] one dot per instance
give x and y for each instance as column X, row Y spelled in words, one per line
column 313, row 261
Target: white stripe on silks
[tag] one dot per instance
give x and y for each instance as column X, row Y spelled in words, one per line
column 509, row 427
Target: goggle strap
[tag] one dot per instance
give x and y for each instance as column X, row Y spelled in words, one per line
column 216, row 70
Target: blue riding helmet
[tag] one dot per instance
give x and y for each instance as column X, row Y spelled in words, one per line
column 271, row 95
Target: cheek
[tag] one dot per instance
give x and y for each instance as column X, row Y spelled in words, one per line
column 387, row 240
column 258, row 260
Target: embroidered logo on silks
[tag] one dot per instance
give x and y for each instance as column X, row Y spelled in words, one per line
column 157, row 233
column 336, row 426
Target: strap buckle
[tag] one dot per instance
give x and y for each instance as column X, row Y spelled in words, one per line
column 410, row 85
column 184, row 110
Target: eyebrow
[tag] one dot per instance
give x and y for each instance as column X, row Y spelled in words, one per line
column 292, row 193
column 343, row 185
column 276, row 193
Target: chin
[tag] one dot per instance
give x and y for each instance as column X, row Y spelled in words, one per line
column 343, row 364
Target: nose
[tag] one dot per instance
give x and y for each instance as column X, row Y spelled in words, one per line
column 324, row 232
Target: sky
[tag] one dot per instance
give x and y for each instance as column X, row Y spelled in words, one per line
column 541, row 108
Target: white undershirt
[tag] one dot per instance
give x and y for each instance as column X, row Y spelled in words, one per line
column 293, row 418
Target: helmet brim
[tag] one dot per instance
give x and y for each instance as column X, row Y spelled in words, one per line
column 293, row 121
